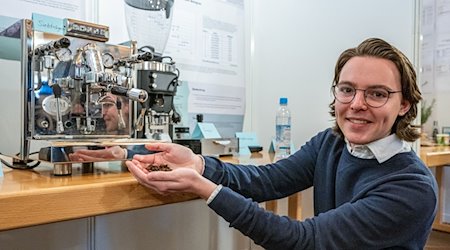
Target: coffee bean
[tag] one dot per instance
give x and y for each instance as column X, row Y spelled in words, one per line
column 158, row 168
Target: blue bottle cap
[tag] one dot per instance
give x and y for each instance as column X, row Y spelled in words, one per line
column 283, row 100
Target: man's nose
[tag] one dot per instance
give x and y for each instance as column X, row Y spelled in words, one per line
column 359, row 101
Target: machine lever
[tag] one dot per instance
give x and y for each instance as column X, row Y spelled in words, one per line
column 140, row 120
column 57, row 93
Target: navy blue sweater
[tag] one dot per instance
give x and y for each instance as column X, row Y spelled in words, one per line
column 358, row 203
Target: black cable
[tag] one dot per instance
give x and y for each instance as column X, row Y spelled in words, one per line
column 22, row 167
column 149, row 48
column 5, row 163
column 174, row 81
column 25, row 166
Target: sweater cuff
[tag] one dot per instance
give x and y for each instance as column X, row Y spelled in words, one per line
column 221, row 204
column 125, row 153
column 202, row 170
column 214, row 194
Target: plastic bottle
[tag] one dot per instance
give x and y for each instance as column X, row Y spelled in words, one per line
column 435, row 131
column 283, row 130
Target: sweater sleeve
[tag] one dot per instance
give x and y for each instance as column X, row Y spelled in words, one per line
column 264, row 228
column 271, row 181
column 262, row 183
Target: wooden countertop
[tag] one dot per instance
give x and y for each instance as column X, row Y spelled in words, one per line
column 33, row 197
column 434, row 156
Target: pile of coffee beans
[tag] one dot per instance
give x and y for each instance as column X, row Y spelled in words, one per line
column 158, row 168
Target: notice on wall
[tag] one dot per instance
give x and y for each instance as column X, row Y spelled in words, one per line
column 435, row 51
column 207, row 41
column 442, row 46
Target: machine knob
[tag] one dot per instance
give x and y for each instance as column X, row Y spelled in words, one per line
column 133, row 94
column 137, row 95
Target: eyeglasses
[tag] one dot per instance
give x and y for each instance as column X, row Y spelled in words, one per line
column 375, row 97
column 108, row 104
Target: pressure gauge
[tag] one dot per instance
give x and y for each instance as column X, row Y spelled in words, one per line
column 64, row 54
column 108, row 60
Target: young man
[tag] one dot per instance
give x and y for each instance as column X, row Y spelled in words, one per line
column 371, row 191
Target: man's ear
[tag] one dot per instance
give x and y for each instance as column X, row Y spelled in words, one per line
column 404, row 107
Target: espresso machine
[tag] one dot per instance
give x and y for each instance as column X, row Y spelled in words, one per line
column 77, row 91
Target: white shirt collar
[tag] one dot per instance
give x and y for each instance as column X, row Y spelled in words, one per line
column 382, row 149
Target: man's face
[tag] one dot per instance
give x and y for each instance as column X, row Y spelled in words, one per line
column 359, row 122
column 110, row 114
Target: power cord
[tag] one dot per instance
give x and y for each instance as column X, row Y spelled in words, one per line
column 22, row 167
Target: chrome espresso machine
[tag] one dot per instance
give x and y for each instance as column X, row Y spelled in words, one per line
column 77, row 91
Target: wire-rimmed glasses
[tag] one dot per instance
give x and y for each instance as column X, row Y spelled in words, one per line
column 375, row 97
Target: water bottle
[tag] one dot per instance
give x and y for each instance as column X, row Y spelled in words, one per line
column 283, row 130
column 435, row 131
